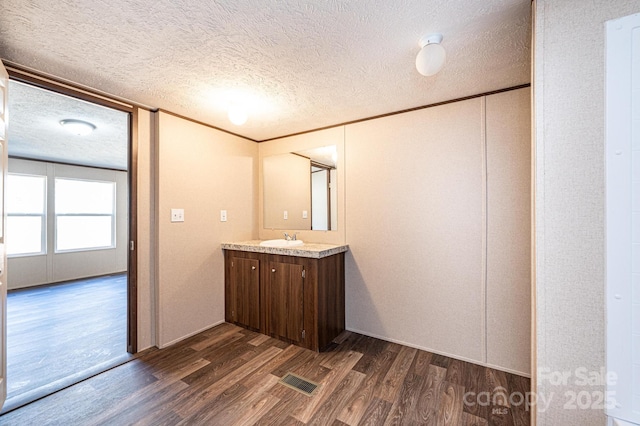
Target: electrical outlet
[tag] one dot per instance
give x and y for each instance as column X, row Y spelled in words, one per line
column 305, row 214
column 286, row 215
column 223, row 215
column 177, row 215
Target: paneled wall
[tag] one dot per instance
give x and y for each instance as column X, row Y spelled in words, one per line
column 437, row 217
column 203, row 171
column 508, row 252
column 415, row 228
column 55, row 267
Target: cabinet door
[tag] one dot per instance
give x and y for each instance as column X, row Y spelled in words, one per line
column 245, row 292
column 286, row 296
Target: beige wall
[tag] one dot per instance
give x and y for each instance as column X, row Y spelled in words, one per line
column 415, row 229
column 286, row 187
column 426, row 265
column 569, row 125
column 508, row 141
column 146, row 226
column 55, row 267
column 203, row 171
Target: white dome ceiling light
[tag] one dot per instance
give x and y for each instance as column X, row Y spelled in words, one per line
column 432, row 55
column 237, row 115
column 77, row 127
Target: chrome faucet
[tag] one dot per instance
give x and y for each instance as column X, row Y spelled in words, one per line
column 288, row 237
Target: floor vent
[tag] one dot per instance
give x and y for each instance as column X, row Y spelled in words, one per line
column 300, row 384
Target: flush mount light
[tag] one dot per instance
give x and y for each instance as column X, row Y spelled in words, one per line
column 78, row 127
column 237, row 115
column 432, row 55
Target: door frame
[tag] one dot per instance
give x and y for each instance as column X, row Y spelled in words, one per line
column 57, row 85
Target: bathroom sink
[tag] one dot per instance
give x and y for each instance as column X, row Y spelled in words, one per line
column 281, row 243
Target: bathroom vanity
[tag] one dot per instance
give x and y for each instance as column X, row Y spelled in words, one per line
column 295, row 294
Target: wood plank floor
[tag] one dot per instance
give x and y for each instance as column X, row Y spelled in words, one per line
column 229, row 376
column 59, row 330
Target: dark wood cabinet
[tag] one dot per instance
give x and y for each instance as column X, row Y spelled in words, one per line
column 242, row 300
column 300, row 300
column 285, row 289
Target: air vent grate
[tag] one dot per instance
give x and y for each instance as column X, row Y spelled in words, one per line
column 300, row 384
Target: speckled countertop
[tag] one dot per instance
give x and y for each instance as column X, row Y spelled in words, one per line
column 312, row 250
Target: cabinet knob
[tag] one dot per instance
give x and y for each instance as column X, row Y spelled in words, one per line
column 273, row 270
column 253, row 268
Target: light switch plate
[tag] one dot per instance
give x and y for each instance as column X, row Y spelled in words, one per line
column 286, row 215
column 305, row 214
column 223, row 215
column 177, row 215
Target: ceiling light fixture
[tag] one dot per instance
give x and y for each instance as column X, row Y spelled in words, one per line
column 432, row 55
column 78, row 127
column 237, row 115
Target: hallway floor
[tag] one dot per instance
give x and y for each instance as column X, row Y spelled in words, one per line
column 61, row 331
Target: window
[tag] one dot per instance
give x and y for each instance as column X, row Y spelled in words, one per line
column 85, row 214
column 26, row 226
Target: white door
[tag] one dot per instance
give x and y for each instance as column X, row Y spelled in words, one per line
column 4, row 100
column 623, row 218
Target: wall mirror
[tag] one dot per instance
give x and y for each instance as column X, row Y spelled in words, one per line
column 300, row 190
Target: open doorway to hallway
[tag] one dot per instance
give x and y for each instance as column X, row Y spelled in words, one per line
column 67, row 204
column 60, row 332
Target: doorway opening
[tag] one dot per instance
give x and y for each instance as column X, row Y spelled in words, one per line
column 70, row 200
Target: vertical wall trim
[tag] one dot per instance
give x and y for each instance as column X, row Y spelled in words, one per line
column 538, row 270
column 485, row 224
column 344, row 190
column 50, row 222
column 153, row 238
column 155, row 153
column 534, row 112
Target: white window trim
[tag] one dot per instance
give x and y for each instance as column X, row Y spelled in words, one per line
column 43, row 218
column 112, row 215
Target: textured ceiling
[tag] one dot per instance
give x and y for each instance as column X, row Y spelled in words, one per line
column 35, row 130
column 294, row 64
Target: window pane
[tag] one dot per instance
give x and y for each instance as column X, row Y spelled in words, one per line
column 25, row 194
column 82, row 196
column 24, row 235
column 83, row 232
